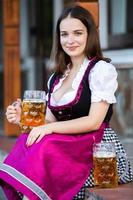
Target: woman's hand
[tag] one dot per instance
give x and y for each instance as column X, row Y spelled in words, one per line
column 13, row 112
column 37, row 133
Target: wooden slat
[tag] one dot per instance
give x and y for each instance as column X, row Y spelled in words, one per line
column 11, row 73
column 11, row 12
column 11, row 36
column 122, row 192
column 11, row 58
column 93, row 8
column 11, row 83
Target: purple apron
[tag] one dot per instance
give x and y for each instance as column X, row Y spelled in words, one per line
column 58, row 164
column 55, row 168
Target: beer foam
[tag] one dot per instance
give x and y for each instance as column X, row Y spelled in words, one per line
column 103, row 154
column 33, row 101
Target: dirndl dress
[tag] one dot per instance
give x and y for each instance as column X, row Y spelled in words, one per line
column 125, row 173
column 60, row 164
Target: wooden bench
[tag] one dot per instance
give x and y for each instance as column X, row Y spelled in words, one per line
column 122, row 192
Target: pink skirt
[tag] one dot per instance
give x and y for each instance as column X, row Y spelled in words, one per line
column 55, row 168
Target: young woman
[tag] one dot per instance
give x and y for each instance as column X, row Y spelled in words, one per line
column 54, row 161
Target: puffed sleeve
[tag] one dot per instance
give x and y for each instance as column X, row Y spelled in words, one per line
column 103, row 82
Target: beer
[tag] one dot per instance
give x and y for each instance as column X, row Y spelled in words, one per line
column 105, row 168
column 33, row 110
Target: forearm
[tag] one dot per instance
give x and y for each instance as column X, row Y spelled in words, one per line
column 83, row 124
column 80, row 125
column 75, row 126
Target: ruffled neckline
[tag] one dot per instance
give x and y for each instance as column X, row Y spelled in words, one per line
column 77, row 78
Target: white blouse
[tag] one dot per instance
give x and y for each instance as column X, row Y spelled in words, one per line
column 102, row 82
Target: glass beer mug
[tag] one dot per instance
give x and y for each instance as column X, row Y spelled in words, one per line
column 105, row 165
column 33, row 109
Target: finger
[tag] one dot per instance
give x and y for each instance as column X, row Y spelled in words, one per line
column 11, row 114
column 31, row 134
column 40, row 137
column 19, row 101
column 16, row 106
column 32, row 138
column 28, row 140
column 11, row 118
column 34, row 134
column 13, row 121
column 11, row 107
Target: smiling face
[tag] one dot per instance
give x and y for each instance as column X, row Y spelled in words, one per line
column 73, row 37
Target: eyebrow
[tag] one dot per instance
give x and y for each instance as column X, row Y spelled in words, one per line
column 73, row 30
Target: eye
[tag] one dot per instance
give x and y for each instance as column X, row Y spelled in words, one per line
column 78, row 33
column 63, row 34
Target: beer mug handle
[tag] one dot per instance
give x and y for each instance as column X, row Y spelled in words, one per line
column 123, row 155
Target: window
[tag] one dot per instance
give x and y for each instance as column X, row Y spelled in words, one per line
column 120, row 24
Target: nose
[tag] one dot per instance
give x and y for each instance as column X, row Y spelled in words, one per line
column 70, row 39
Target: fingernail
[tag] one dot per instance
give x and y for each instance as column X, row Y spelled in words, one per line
column 27, row 144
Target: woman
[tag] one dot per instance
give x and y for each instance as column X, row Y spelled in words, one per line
column 54, row 161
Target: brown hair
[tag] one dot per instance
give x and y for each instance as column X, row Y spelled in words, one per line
column 92, row 49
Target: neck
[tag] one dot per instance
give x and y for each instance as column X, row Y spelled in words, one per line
column 77, row 61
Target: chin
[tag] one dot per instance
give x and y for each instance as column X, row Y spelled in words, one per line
column 73, row 54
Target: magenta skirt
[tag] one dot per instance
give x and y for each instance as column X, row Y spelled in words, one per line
column 55, row 168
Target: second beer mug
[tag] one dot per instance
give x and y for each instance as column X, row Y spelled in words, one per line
column 105, row 165
column 33, row 109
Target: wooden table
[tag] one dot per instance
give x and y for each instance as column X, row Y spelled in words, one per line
column 122, row 192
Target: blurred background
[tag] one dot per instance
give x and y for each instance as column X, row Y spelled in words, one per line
column 26, row 33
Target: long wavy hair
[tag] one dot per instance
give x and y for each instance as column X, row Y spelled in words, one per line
column 92, row 49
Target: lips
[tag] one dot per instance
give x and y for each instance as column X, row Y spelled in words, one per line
column 72, row 48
